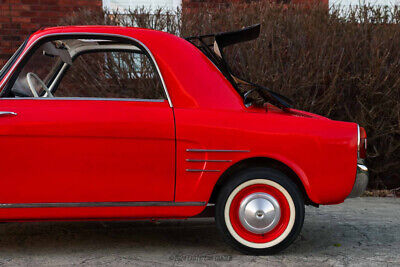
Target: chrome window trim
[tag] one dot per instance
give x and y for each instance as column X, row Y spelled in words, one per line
column 85, row 99
column 61, row 72
column 100, row 204
column 5, row 79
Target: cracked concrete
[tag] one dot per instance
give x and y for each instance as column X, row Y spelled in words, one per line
column 359, row 232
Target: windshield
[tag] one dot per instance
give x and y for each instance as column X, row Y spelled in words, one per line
column 213, row 47
column 10, row 62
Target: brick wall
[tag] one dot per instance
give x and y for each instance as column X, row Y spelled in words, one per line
column 19, row 18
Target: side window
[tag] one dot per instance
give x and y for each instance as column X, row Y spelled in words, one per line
column 41, row 65
column 116, row 74
column 89, row 68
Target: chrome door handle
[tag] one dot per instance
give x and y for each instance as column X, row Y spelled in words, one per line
column 6, row 113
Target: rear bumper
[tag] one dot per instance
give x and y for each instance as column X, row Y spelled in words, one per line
column 362, row 178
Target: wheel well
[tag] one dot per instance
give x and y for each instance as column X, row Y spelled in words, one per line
column 259, row 162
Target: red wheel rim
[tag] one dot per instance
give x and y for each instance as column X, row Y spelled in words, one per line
column 273, row 233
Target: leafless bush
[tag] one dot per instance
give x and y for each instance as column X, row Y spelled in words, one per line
column 341, row 64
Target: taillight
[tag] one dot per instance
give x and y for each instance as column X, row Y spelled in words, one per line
column 362, row 145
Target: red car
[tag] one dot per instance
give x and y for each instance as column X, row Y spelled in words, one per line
column 117, row 123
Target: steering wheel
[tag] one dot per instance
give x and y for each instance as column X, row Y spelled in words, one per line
column 29, row 77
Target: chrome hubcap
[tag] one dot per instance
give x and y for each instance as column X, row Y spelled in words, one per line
column 259, row 213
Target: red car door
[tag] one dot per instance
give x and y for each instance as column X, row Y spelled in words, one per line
column 80, row 150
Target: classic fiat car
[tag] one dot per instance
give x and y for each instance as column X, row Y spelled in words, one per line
column 101, row 123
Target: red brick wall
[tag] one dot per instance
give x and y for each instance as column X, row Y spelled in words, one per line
column 19, row 18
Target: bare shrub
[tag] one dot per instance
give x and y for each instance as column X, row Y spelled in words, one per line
column 345, row 67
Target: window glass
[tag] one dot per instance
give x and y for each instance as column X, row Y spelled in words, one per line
column 41, row 64
column 115, row 74
column 88, row 68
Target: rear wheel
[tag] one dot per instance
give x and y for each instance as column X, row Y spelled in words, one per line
column 260, row 211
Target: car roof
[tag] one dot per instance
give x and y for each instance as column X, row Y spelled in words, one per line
column 192, row 80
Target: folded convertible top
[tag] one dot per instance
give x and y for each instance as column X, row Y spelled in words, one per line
column 214, row 51
column 234, row 37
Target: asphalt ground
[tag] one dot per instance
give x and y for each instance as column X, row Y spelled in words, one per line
column 359, row 232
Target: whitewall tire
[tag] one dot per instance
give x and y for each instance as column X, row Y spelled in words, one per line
column 260, row 211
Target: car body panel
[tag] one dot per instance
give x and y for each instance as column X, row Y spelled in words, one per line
column 208, row 114
column 308, row 146
column 85, row 151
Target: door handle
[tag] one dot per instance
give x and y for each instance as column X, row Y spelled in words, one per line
column 7, row 113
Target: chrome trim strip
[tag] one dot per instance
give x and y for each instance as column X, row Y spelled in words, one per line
column 208, row 160
column 158, row 69
column 7, row 113
column 56, row 79
column 27, row 49
column 100, row 204
column 198, row 170
column 85, row 98
column 215, row 150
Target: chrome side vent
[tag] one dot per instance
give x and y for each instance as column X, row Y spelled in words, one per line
column 199, row 170
column 216, row 150
column 208, row 160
